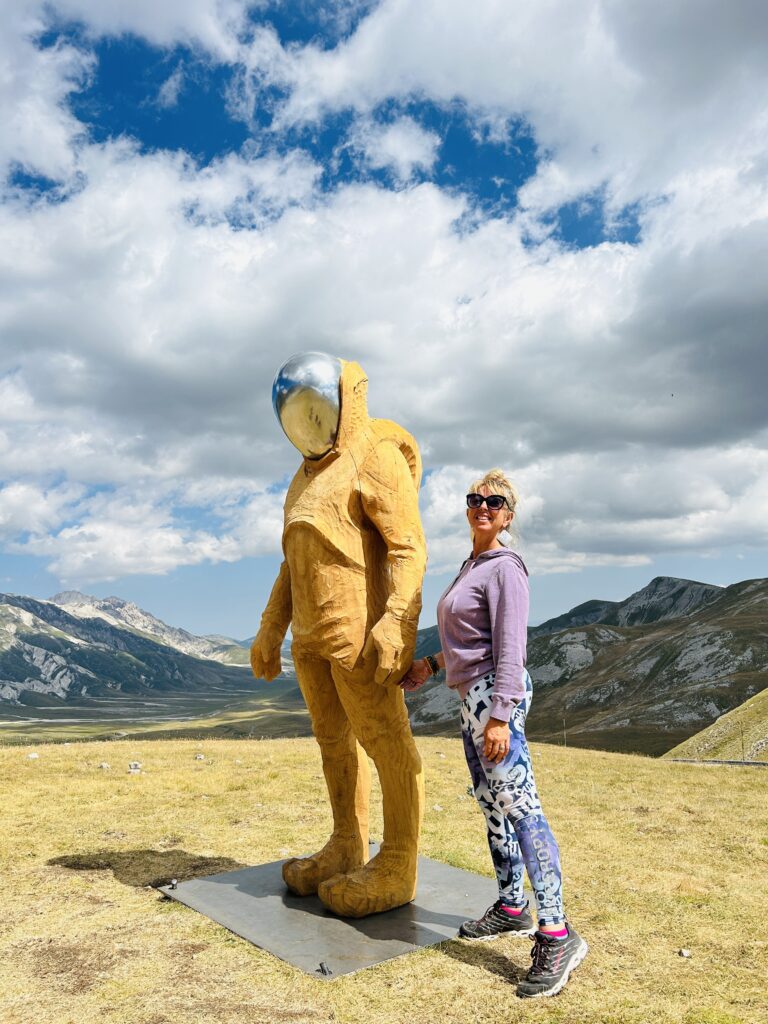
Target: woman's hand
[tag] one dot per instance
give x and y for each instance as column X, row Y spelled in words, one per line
column 496, row 736
column 416, row 676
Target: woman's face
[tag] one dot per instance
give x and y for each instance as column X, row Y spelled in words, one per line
column 484, row 522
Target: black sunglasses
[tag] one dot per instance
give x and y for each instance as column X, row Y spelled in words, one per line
column 493, row 501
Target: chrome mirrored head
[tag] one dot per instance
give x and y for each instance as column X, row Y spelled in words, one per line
column 307, row 401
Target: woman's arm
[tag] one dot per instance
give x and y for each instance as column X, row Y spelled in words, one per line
column 507, row 595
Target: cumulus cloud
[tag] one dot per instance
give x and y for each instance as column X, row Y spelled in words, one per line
column 214, row 25
column 122, row 533
column 618, row 97
column 29, row 509
column 615, row 354
column 39, row 134
column 401, row 146
column 143, row 315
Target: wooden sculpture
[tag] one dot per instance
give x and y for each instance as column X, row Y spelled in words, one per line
column 350, row 588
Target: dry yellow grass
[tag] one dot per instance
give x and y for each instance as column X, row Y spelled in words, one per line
column 657, row 856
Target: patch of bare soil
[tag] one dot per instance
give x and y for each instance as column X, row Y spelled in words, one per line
column 71, row 967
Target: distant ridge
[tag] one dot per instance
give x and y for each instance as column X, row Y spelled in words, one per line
column 128, row 615
column 665, row 597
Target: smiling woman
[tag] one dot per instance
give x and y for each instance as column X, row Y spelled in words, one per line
column 482, row 619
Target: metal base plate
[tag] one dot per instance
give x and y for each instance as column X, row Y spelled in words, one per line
column 255, row 904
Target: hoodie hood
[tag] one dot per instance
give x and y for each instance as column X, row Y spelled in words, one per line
column 501, row 553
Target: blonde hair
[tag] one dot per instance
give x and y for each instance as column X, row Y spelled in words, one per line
column 497, row 482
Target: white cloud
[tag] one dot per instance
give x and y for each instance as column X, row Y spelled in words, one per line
column 617, row 96
column 214, row 25
column 119, row 534
column 142, row 319
column 561, row 365
column 170, row 90
column 27, row 508
column 401, row 146
column 38, row 132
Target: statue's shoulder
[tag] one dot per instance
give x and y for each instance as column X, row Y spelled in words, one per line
column 389, row 432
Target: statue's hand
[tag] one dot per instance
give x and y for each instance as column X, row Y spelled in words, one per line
column 265, row 654
column 391, row 641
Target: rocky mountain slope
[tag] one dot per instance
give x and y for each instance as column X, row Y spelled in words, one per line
column 48, row 654
column 690, row 654
column 665, row 597
column 127, row 615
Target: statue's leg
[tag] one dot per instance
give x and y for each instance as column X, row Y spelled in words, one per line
column 348, row 779
column 380, row 721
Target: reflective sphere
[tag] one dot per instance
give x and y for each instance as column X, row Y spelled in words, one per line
column 305, row 396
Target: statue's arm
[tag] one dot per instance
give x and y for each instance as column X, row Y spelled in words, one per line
column 265, row 649
column 391, row 502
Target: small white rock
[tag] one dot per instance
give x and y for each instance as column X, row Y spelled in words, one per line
column 33, row 756
column 685, row 953
column 437, row 807
column 104, row 766
column 199, row 757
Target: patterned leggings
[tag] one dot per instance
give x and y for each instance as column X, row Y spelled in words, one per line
column 518, row 833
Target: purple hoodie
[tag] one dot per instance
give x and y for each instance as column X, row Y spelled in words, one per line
column 483, row 622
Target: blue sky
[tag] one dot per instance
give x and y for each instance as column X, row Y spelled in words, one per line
column 540, row 231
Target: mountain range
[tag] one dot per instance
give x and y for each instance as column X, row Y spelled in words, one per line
column 47, row 651
column 642, row 674
column 127, row 615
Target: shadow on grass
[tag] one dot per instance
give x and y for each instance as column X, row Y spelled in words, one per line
column 141, row 868
column 480, row 954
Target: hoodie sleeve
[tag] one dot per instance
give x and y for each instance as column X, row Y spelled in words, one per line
column 507, row 594
column 391, row 502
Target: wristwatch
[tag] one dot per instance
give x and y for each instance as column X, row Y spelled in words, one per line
column 431, row 660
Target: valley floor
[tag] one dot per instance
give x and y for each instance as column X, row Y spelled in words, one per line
column 657, row 857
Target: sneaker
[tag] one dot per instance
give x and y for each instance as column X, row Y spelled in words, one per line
column 553, row 961
column 495, row 922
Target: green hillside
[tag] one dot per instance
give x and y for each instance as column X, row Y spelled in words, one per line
column 741, row 735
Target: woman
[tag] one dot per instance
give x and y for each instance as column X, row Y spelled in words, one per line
column 482, row 619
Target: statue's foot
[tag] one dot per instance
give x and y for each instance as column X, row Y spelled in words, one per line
column 386, row 882
column 303, row 875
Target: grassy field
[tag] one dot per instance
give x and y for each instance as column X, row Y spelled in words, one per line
column 741, row 735
column 657, row 857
